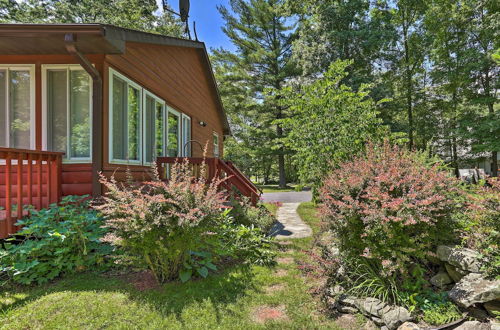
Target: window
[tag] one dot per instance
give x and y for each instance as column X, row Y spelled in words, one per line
column 125, row 123
column 154, row 131
column 216, row 145
column 68, row 111
column 142, row 127
column 17, row 107
column 186, row 136
column 174, row 130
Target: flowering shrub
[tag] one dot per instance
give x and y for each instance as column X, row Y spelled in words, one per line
column 163, row 222
column 390, row 206
column 248, row 215
column 481, row 223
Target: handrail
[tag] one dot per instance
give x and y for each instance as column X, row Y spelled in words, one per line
column 36, row 177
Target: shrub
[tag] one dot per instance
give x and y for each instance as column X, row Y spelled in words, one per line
column 164, row 222
column 61, row 239
column 481, row 225
column 248, row 215
column 391, row 206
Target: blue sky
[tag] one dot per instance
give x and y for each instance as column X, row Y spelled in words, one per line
column 208, row 21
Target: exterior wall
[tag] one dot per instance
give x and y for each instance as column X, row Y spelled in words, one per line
column 176, row 75
column 76, row 178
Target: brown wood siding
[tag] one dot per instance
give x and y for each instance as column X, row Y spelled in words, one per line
column 176, row 75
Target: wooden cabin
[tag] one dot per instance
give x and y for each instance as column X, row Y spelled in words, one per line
column 79, row 99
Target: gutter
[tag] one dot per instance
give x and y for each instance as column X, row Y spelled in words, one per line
column 97, row 95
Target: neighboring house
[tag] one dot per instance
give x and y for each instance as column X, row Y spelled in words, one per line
column 79, row 99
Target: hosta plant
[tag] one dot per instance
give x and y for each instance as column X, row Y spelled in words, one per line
column 61, row 239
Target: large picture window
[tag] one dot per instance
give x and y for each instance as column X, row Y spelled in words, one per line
column 68, row 111
column 16, row 107
column 142, row 127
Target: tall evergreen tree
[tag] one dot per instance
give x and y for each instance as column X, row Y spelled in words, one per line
column 257, row 71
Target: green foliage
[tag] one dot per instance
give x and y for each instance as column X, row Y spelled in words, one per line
column 246, row 214
column 197, row 262
column 250, row 79
column 59, row 240
column 391, row 206
column 329, row 122
column 480, row 228
column 134, row 14
column 437, row 309
column 245, row 243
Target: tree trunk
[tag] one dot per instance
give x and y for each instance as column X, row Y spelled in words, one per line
column 409, row 86
column 491, row 110
column 494, row 163
column 281, row 159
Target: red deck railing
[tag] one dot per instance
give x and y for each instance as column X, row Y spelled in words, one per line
column 27, row 177
column 217, row 168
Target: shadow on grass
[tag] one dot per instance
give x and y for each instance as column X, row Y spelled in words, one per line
column 171, row 298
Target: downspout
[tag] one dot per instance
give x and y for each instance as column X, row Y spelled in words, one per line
column 97, row 95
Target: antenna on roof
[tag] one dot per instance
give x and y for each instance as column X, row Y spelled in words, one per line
column 183, row 13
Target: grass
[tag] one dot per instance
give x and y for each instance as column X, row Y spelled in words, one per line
column 227, row 300
column 274, row 188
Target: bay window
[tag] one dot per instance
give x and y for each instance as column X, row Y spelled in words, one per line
column 68, row 111
column 17, row 107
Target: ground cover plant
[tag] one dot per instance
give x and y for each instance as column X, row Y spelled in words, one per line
column 61, row 239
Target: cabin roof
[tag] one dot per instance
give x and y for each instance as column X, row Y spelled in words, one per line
column 47, row 39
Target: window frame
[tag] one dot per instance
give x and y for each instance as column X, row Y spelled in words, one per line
column 164, row 111
column 184, row 139
column 133, row 84
column 216, row 146
column 45, row 113
column 179, row 129
column 31, row 69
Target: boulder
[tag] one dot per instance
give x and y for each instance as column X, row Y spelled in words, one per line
column 394, row 317
column 475, row 288
column 473, row 325
column 441, row 279
column 495, row 325
column 409, row 326
column 466, row 259
column 493, row 307
column 455, row 273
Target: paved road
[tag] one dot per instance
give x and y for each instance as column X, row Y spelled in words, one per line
column 287, row 197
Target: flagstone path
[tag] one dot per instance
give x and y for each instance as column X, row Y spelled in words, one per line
column 289, row 224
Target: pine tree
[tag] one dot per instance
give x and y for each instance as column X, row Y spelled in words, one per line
column 257, row 71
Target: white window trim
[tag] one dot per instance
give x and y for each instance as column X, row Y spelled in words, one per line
column 216, row 146
column 31, row 69
column 113, row 72
column 68, row 67
column 184, row 137
column 165, row 122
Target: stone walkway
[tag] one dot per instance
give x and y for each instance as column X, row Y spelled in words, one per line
column 289, row 224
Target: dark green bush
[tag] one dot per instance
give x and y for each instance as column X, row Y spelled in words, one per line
column 62, row 239
column 246, row 214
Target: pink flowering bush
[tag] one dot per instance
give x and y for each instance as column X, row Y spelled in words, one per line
column 390, row 207
column 166, row 224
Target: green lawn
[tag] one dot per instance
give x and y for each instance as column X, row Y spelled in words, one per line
column 274, row 188
column 228, row 300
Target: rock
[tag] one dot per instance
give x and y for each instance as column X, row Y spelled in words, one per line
column 466, row 259
column 495, row 325
column 473, row 325
column 477, row 313
column 347, row 309
column 493, row 307
column 441, row 279
column 455, row 273
column 409, row 326
column 349, row 301
column 395, row 317
column 474, row 288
